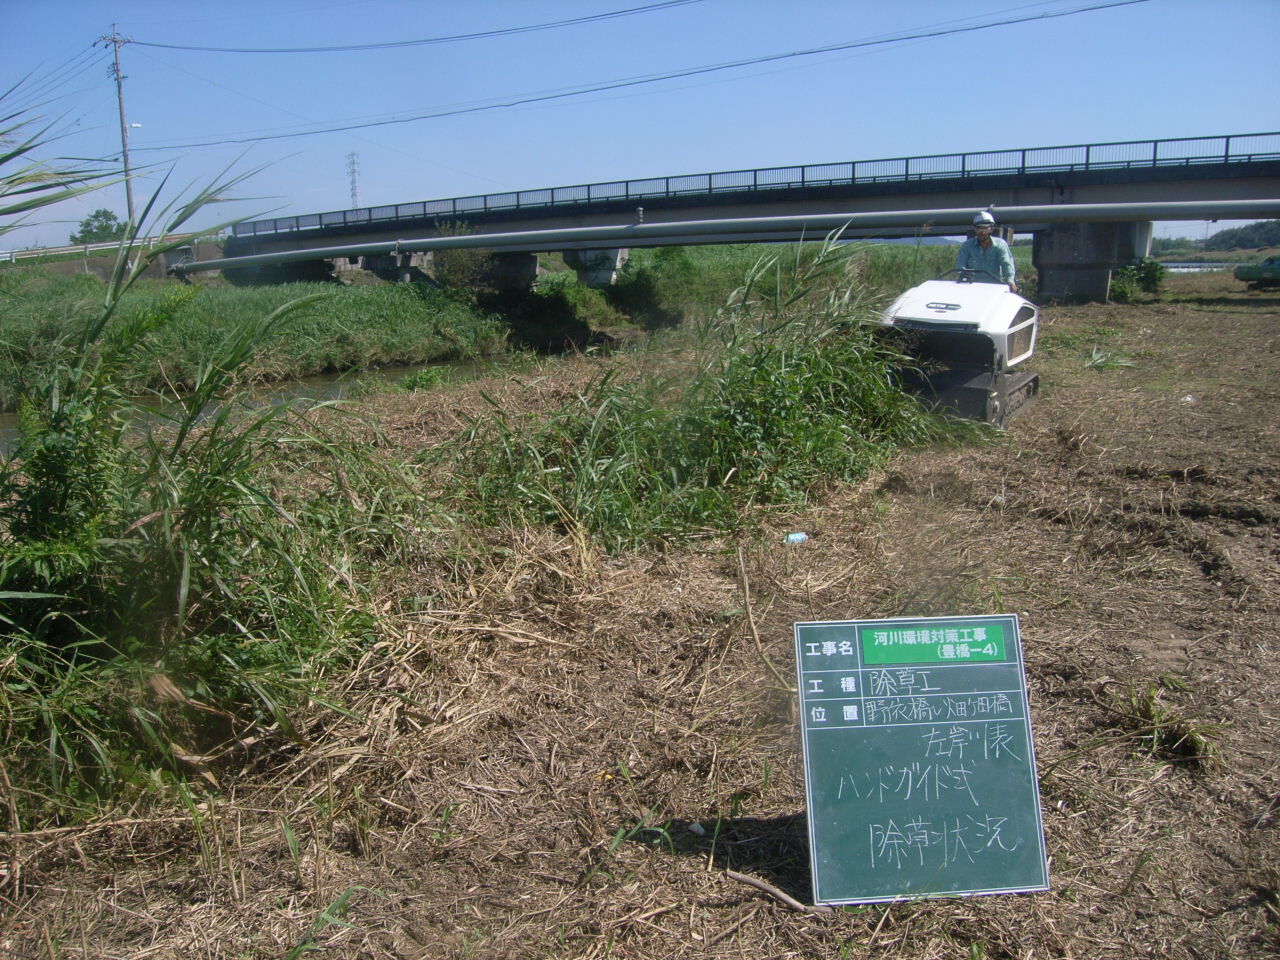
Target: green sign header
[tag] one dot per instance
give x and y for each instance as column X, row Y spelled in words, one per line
column 966, row 642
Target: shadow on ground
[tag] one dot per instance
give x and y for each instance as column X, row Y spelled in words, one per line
column 774, row 849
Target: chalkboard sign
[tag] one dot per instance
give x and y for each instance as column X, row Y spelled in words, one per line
column 918, row 760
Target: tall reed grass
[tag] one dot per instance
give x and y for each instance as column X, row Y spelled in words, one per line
column 664, row 286
column 783, row 390
column 172, row 583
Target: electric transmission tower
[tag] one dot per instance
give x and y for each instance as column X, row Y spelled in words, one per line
column 353, row 171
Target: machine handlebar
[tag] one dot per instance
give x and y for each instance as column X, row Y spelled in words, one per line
column 969, row 275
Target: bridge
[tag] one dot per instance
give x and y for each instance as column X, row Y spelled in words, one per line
column 1055, row 193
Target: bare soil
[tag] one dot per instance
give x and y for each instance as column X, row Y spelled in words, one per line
column 557, row 753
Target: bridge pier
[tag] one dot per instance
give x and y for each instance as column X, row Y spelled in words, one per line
column 597, row 268
column 401, row 267
column 1075, row 260
column 513, row 271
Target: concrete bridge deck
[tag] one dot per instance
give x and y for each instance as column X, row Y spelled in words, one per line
column 1234, row 167
column 1075, row 259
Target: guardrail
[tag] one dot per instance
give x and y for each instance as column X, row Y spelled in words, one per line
column 1118, row 155
column 9, row 256
column 146, row 243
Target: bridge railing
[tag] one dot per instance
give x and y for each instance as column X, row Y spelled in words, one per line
column 1118, row 155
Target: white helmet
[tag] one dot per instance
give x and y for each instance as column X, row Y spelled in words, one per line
column 984, row 218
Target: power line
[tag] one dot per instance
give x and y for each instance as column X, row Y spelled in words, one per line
column 33, row 92
column 308, row 120
column 524, row 100
column 508, row 31
column 71, row 70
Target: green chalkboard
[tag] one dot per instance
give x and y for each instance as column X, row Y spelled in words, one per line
column 918, row 761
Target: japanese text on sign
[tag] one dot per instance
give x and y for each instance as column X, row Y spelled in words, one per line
column 919, row 767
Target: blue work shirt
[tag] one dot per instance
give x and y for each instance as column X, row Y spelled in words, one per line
column 996, row 261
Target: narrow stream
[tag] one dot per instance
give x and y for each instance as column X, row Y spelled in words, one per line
column 329, row 386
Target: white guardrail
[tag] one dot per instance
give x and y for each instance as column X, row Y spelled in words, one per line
column 146, row 243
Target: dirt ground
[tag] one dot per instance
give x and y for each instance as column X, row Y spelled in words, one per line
column 555, row 753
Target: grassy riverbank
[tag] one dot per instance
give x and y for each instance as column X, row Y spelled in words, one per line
column 544, row 748
column 174, row 585
column 343, row 329
column 349, row 329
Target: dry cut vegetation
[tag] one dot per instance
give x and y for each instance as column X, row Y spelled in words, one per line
column 554, row 752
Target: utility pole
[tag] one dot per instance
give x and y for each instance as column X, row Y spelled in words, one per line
column 353, row 171
column 117, row 41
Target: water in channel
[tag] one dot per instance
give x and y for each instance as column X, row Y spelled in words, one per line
column 329, row 386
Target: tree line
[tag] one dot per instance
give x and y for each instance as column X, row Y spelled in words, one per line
column 1264, row 233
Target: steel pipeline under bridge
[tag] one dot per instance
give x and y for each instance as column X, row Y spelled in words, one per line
column 1087, row 239
column 1075, row 257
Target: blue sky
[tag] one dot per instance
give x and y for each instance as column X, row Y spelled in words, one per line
column 1153, row 69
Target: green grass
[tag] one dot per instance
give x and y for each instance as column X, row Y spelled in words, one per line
column 173, row 583
column 365, row 327
column 664, row 286
column 161, row 593
column 790, row 390
column 349, row 328
column 1100, row 359
column 1166, row 732
column 1086, row 338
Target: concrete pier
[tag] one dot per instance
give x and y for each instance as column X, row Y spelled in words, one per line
column 597, row 268
column 513, row 271
column 402, row 267
column 1075, row 260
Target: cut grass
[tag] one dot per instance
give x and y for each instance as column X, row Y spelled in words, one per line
column 1166, row 732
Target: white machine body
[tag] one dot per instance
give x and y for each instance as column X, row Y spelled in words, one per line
column 959, row 309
